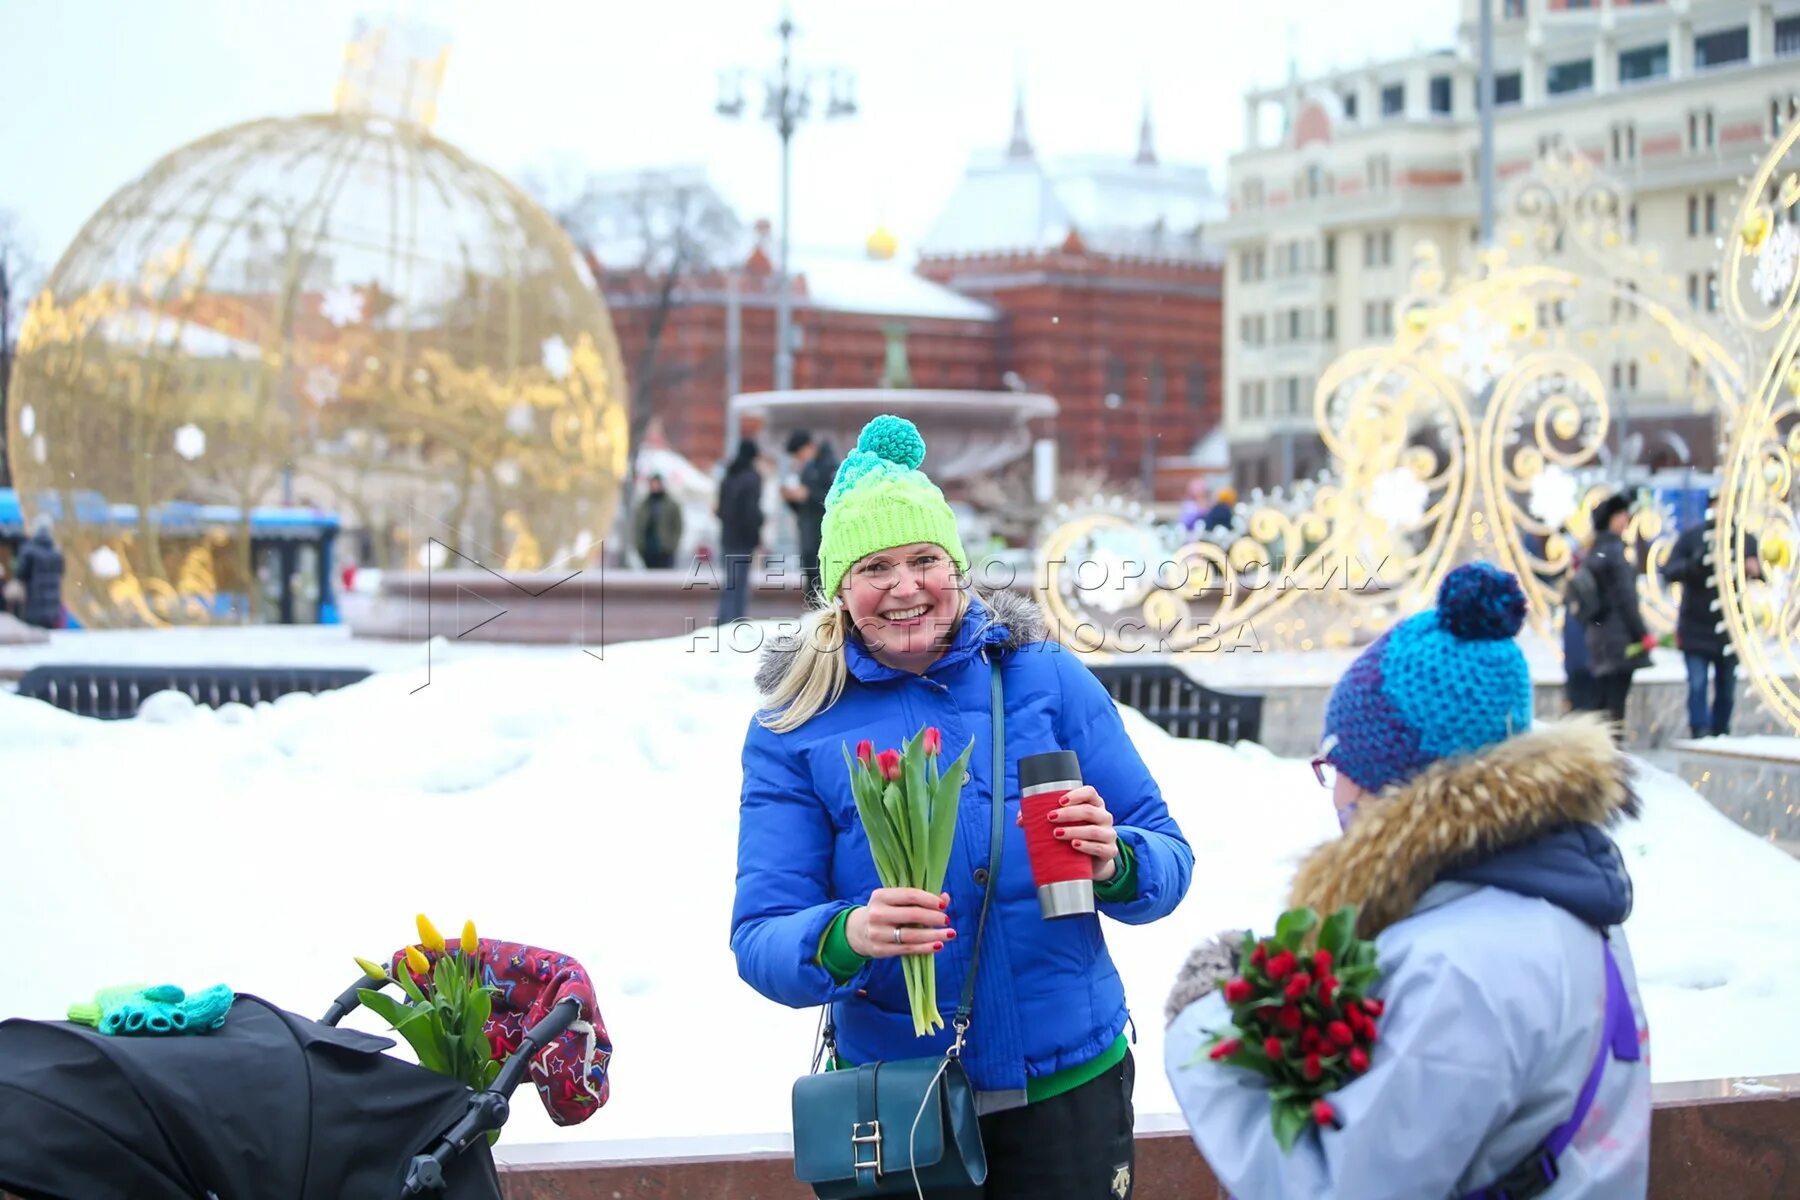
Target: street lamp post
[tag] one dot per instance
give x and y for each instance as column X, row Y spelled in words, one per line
column 787, row 102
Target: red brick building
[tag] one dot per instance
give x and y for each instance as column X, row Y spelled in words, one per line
column 1085, row 279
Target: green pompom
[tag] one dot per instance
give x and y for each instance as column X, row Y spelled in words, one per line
column 895, row 439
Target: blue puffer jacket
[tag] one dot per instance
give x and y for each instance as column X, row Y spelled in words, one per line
column 1047, row 997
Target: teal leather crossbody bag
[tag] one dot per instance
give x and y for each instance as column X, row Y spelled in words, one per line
column 890, row 1128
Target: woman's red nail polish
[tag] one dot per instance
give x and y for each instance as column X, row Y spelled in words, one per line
column 1062, row 833
column 937, row 945
column 949, row 935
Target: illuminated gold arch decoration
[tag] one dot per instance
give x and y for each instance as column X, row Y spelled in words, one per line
column 1465, row 437
column 339, row 309
column 1758, row 288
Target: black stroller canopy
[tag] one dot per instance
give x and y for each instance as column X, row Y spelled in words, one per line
column 269, row 1106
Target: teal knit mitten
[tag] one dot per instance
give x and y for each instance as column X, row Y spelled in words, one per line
column 154, row 1011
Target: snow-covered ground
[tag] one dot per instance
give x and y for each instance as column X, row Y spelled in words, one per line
column 590, row 806
column 1769, row 747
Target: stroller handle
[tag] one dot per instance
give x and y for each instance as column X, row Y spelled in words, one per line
column 348, row 999
column 488, row 1109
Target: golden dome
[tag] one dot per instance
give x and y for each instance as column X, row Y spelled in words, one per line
column 882, row 243
column 340, row 310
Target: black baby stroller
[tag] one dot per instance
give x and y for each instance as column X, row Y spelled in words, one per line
column 270, row 1105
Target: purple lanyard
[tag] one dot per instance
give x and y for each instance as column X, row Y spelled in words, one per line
column 1619, row 1039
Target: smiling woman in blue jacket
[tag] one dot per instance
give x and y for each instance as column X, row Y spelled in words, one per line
column 902, row 643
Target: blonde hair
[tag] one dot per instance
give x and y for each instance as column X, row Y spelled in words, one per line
column 816, row 674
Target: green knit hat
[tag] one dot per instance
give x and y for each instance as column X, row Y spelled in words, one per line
column 880, row 499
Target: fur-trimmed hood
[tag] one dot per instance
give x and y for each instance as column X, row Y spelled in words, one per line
column 1022, row 619
column 1524, row 815
column 1459, row 815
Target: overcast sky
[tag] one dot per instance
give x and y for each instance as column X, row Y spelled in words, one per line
column 93, row 91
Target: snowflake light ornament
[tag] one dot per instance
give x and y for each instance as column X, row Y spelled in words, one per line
column 27, row 420
column 1775, row 264
column 1553, row 498
column 1476, row 351
column 190, row 441
column 342, row 305
column 519, row 420
column 104, row 563
column 322, row 385
column 1399, row 497
column 554, row 353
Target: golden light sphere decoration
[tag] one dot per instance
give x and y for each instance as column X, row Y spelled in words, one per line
column 339, row 310
column 1759, row 510
column 1467, row 436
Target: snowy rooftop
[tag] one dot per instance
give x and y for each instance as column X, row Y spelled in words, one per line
column 268, row 830
column 886, row 287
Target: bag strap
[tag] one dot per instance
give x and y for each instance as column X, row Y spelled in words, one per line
column 1618, row 1039
column 996, row 844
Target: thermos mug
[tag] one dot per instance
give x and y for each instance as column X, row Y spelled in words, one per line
column 1063, row 874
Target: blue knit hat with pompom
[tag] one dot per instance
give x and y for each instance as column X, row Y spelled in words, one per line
column 1444, row 682
column 881, row 499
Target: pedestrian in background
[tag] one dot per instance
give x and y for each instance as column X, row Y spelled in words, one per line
column 740, row 529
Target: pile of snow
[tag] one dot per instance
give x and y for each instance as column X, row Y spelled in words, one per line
column 590, row 806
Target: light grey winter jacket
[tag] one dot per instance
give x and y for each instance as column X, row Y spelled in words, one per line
column 1486, row 883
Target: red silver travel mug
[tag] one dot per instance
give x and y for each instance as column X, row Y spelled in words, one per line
column 1063, row 874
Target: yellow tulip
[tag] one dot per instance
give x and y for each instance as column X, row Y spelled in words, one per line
column 470, row 943
column 417, row 961
column 429, row 937
column 371, row 969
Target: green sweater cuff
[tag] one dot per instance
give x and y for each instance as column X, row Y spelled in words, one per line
column 1123, row 884
column 835, row 954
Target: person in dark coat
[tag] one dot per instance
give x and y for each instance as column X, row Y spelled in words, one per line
column 658, row 526
column 1220, row 514
column 804, row 492
column 1700, row 628
column 1580, row 687
column 740, row 529
column 1619, row 626
column 39, row 567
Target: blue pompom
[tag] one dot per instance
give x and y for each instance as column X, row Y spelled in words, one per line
column 895, row 439
column 1478, row 602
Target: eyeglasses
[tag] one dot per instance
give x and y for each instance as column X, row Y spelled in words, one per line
column 884, row 573
column 1325, row 771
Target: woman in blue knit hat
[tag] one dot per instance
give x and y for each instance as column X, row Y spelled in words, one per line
column 1512, row 1059
column 902, row 642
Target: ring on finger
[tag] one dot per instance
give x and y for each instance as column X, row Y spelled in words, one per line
column 898, row 939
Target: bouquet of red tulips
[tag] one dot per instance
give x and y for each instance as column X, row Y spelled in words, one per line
column 908, row 810
column 1300, row 1018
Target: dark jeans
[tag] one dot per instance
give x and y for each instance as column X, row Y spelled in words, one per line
column 735, row 598
column 1583, row 691
column 1724, row 670
column 1613, row 691
column 658, row 560
column 1076, row 1146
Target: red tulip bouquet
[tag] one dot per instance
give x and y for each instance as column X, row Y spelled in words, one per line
column 908, row 810
column 1301, row 1019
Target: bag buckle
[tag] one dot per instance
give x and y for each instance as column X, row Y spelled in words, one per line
column 1530, row 1178
column 859, row 1139
column 961, row 1025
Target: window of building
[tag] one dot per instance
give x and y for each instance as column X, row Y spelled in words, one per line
column 1294, row 326
column 1509, row 88
column 1387, row 317
column 1631, row 221
column 1775, row 117
column 1712, row 291
column 1549, row 142
column 1331, row 254
column 1512, row 10
column 1707, row 119
column 1576, row 75
column 1159, row 385
column 1624, row 142
column 1693, row 216
column 1393, row 99
column 1645, row 62
column 1631, row 375
column 1245, row 392
column 1693, row 290
column 1115, row 375
column 1725, row 46
column 1787, row 36
column 1618, row 376
column 1440, row 95
column 1349, row 100
column 1315, row 181
column 1712, row 213
column 1379, row 172
column 1194, row 387
column 1387, row 248
column 1330, row 321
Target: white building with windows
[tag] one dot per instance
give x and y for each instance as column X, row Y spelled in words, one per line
column 1673, row 98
